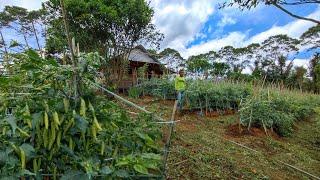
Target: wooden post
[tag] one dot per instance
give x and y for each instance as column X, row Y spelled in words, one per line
column 73, row 59
column 171, row 131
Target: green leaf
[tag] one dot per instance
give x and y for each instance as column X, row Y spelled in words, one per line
column 29, row 150
column 8, row 178
column 122, row 173
column 145, row 137
column 14, row 44
column 81, row 123
column 27, row 172
column 105, row 170
column 3, row 157
column 141, row 169
column 12, row 121
column 151, row 165
column 75, row 175
column 151, row 156
column 36, row 119
column 122, row 163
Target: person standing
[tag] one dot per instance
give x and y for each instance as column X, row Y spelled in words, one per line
column 180, row 86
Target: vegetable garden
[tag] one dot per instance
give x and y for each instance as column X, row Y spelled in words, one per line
column 268, row 108
column 61, row 119
column 45, row 131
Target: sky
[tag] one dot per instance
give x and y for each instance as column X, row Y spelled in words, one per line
column 198, row 26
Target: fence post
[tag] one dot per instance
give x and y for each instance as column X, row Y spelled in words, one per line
column 168, row 143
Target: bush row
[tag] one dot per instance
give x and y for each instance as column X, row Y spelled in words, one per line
column 268, row 108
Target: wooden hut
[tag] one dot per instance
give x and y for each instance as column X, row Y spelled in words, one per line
column 139, row 57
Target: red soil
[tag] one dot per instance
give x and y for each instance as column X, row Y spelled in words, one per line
column 237, row 131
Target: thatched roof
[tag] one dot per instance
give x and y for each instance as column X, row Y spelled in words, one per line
column 140, row 54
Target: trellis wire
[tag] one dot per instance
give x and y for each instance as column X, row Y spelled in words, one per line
column 198, row 99
column 170, row 123
column 126, row 101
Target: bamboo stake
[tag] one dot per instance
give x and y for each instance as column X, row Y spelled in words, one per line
column 168, row 143
column 74, row 62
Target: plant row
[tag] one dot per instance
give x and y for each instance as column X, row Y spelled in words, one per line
column 267, row 108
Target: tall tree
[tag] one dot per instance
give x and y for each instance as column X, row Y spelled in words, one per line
column 275, row 53
column 297, row 78
column 236, row 58
column 171, row 59
column 280, row 4
column 113, row 27
column 19, row 14
column 198, row 64
column 33, row 18
column 314, row 70
column 5, row 20
column 311, row 38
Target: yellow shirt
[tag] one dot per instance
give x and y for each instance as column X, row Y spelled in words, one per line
column 180, row 83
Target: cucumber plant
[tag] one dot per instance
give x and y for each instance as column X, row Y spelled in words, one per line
column 52, row 133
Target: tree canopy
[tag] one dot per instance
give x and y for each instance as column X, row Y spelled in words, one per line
column 95, row 24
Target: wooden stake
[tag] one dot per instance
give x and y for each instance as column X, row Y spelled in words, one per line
column 168, row 143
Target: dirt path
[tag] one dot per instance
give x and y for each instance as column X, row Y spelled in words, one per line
column 197, row 153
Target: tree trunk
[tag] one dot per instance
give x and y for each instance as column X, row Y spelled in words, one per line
column 5, row 57
column 4, row 43
column 35, row 34
column 294, row 15
column 25, row 39
column 74, row 62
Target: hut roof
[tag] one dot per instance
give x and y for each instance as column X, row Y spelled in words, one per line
column 140, row 54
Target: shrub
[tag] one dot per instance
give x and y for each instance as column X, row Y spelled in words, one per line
column 135, row 92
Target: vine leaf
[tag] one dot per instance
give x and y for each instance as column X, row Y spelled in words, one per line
column 75, row 175
column 12, row 121
column 141, row 169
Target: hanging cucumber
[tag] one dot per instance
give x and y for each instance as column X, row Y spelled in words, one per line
column 96, row 123
column 66, row 105
column 56, row 119
column 46, row 120
column 83, row 108
column 22, row 158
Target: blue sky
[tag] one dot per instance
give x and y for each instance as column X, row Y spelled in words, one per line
column 194, row 27
column 199, row 26
column 257, row 22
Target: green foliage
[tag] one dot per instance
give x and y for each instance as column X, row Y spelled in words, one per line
column 98, row 24
column 169, row 51
column 198, row 65
column 142, row 71
column 200, row 94
column 161, row 88
column 220, row 69
column 266, row 108
column 135, row 92
column 278, row 110
column 311, row 37
column 51, row 132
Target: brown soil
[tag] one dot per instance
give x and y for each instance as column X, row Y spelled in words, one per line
column 187, row 126
column 238, row 131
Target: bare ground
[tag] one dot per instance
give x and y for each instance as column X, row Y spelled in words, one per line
column 200, row 149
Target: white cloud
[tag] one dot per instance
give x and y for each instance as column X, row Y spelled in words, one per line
column 238, row 39
column 226, row 20
column 235, row 39
column 293, row 29
column 28, row 4
column 181, row 21
column 301, row 62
